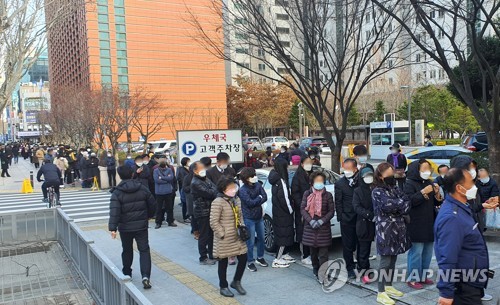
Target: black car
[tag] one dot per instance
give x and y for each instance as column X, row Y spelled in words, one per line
column 476, row 142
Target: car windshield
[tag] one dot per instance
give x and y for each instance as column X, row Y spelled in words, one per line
column 319, row 140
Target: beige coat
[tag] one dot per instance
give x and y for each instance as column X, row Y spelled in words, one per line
column 40, row 154
column 226, row 240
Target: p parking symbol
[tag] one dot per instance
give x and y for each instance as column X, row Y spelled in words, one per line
column 189, row 148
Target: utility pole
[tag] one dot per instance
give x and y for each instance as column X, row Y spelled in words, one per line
column 301, row 118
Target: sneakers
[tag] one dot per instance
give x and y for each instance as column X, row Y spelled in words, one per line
column 373, row 257
column 187, row 220
column 288, row 258
column 146, row 283
column 45, row 200
column 384, row 299
column 415, row 285
column 252, row 267
column 261, row 261
column 427, row 282
column 306, row 261
column 366, row 279
column 393, row 292
column 487, row 297
column 351, row 275
column 172, row 224
column 280, row 263
column 207, row 262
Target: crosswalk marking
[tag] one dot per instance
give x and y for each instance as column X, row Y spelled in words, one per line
column 79, row 205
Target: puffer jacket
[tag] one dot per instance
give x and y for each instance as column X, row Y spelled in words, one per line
column 362, row 204
column 422, row 211
column 487, row 190
column 131, row 205
column 300, row 184
column 283, row 220
column 389, row 205
column 252, row 197
column 186, row 188
column 321, row 237
column 204, row 192
column 163, row 178
column 222, row 221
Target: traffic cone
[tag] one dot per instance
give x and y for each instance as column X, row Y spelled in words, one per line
column 27, row 188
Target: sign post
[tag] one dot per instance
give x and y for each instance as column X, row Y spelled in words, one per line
column 196, row 144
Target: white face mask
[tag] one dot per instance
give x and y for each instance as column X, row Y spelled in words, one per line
column 253, row 179
column 442, row 176
column 394, row 151
column 471, row 193
column 249, row 155
column 145, row 162
column 308, row 167
column 425, row 175
column 362, row 159
column 283, row 151
column 223, row 166
column 473, row 173
column 202, row 173
column 368, row 179
column 348, row 174
column 109, row 155
column 485, row 180
column 139, row 164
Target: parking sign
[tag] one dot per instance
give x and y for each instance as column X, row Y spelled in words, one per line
column 196, row 144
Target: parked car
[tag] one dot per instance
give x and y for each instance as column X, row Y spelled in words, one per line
column 164, row 146
column 262, row 175
column 436, row 155
column 319, row 142
column 475, row 142
column 275, row 142
column 254, row 143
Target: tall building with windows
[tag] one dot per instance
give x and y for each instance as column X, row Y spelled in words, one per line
column 139, row 43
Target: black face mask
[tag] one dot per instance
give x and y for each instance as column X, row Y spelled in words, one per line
column 390, row 181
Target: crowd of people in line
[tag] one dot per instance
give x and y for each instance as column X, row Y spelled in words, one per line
column 397, row 205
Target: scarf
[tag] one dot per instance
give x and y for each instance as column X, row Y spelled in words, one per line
column 314, row 202
column 395, row 160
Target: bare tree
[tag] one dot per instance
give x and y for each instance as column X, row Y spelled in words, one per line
column 22, row 37
column 457, row 35
column 147, row 121
column 178, row 118
column 328, row 50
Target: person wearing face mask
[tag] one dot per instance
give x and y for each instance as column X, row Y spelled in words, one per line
column 459, row 244
column 361, row 155
column 220, row 169
column 204, row 192
column 141, row 171
column 427, row 141
column 182, row 172
column 488, row 187
column 399, row 162
column 300, row 184
column 164, row 191
column 284, row 154
column 317, row 209
column 390, row 205
column 314, row 155
column 442, row 171
column 225, row 217
column 251, row 160
column 84, row 171
column 93, row 170
column 111, row 169
column 252, row 196
column 425, row 197
column 365, row 220
column 346, row 215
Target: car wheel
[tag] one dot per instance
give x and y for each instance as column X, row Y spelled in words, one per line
column 269, row 235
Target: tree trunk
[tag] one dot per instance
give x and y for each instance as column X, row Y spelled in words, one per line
column 336, row 152
column 493, row 136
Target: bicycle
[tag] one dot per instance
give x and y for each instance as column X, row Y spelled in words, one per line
column 52, row 197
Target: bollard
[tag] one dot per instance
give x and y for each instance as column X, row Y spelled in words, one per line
column 31, row 179
column 73, row 177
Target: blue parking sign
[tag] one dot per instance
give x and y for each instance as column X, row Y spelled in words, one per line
column 189, row 148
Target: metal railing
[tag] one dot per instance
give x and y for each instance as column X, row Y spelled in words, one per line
column 104, row 280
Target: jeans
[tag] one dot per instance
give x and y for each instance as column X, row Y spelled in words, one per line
column 222, row 270
column 255, row 226
column 319, row 256
column 350, row 243
column 165, row 202
column 206, row 239
column 141, row 239
column 419, row 260
column 184, row 205
column 47, row 184
column 112, row 177
column 386, row 271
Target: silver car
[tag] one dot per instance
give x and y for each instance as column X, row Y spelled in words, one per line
column 263, row 174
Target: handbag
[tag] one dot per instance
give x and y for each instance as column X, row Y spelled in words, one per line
column 241, row 229
column 493, row 219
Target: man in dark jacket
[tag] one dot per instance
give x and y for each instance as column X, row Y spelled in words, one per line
column 165, row 195
column 442, row 171
column 182, row 172
column 111, row 169
column 346, row 215
column 204, row 192
column 93, row 169
column 131, row 205
column 459, row 244
column 186, row 188
column 141, row 172
column 4, row 161
column 220, row 169
column 52, row 177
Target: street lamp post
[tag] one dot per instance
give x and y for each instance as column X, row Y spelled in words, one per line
column 301, row 110
column 409, row 111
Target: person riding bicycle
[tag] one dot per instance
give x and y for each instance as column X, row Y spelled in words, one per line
column 52, row 178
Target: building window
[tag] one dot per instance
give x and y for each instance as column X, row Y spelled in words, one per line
column 240, row 21
column 261, row 52
column 418, row 58
column 441, row 34
column 283, row 30
column 120, row 28
column 282, row 71
column 285, row 44
column 106, row 79
column 391, row 81
column 102, row 9
column 120, row 11
column 105, row 53
column 102, row 18
column 118, row 2
column 441, row 73
column 123, row 79
column 241, row 36
column 122, row 71
column 241, row 51
column 105, row 62
column 281, row 3
column 441, row 13
column 121, row 54
column 243, row 64
column 368, row 17
column 103, row 27
column 121, row 45
column 262, row 67
column 122, row 62
column 121, row 36
column 433, row 74
column 321, row 63
column 433, row 14
column 106, row 70
column 282, row 17
column 104, row 35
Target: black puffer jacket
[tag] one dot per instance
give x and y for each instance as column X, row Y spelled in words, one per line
column 204, row 192
column 300, row 184
column 144, row 176
column 344, row 191
column 131, row 205
column 422, row 211
column 362, row 204
column 487, row 190
column 283, row 219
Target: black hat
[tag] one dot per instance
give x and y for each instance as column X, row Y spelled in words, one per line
column 395, row 146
